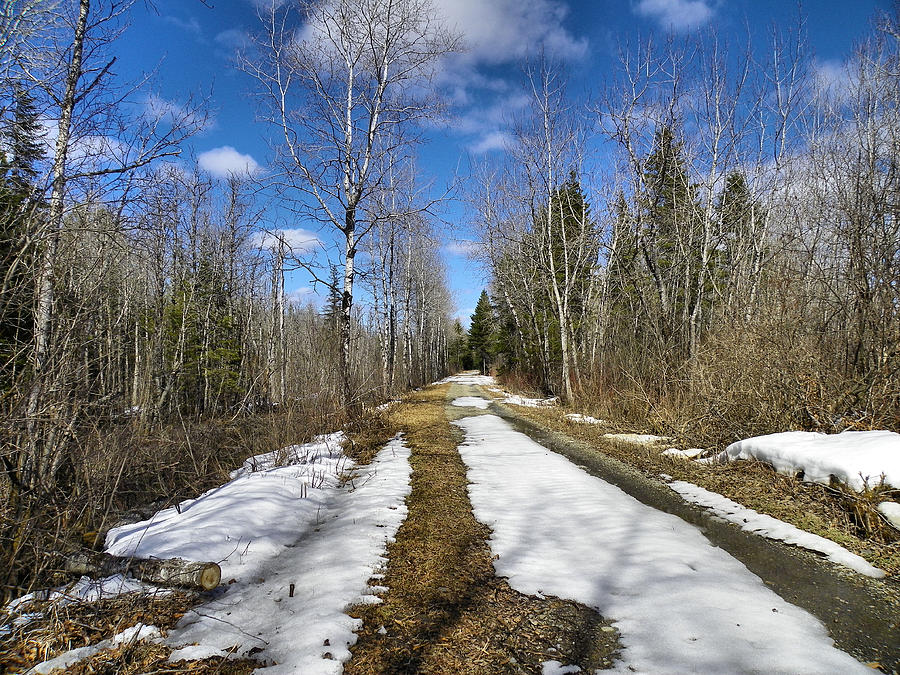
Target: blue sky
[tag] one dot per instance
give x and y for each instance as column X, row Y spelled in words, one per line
column 189, row 45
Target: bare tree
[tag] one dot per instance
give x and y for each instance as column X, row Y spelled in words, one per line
column 344, row 82
column 85, row 109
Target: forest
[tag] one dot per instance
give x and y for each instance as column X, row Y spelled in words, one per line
column 709, row 246
column 733, row 266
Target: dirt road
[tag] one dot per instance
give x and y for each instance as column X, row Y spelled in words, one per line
column 447, row 611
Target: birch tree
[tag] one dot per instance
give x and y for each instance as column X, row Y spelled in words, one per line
column 77, row 90
column 344, row 82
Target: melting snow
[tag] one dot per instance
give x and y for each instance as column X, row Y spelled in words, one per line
column 134, row 634
column 636, row 439
column 271, row 527
column 469, row 378
column 471, row 402
column 680, row 604
column 767, row 526
column 584, row 419
column 515, row 399
column 335, row 549
column 855, row 458
column 690, row 453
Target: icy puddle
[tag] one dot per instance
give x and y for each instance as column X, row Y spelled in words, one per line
column 681, row 605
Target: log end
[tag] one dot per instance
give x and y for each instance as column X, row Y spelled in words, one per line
column 210, row 576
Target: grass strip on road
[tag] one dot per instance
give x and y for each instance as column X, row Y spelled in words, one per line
column 445, row 611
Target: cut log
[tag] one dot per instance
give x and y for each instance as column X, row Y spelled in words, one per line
column 163, row 571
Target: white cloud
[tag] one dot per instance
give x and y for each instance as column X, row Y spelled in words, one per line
column 226, row 161
column 158, row 108
column 232, row 39
column 835, row 81
column 462, row 247
column 296, row 240
column 678, row 15
column 190, row 25
column 492, row 140
column 502, row 31
column 301, row 296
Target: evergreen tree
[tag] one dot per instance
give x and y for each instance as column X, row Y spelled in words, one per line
column 20, row 210
column 481, row 334
column 332, row 310
column 667, row 227
column 460, row 356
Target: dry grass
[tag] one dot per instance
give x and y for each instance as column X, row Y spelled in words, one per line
column 56, row 627
column 812, row 507
column 446, row 611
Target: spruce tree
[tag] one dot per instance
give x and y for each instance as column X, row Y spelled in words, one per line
column 481, row 334
column 21, row 207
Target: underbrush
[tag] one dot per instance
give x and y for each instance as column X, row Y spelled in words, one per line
column 51, row 628
column 122, row 466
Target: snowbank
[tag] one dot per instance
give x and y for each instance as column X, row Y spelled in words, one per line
column 767, row 526
column 680, row 604
column 855, row 458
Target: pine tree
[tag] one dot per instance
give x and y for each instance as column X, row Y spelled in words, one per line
column 481, row 334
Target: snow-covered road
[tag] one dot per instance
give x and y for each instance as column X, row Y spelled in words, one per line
column 680, row 604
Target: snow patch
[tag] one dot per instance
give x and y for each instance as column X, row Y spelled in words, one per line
column 249, row 519
column 134, row 634
column 584, row 419
column 891, row 511
column 637, row 439
column 471, row 402
column 556, row 668
column 690, row 453
column 680, row 604
column 322, row 449
column 339, row 542
column 86, row 589
column 515, row 399
column 855, row 458
column 469, row 378
column 767, row 526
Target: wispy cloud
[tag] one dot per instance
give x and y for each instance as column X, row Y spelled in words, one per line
column 226, row 161
column 232, row 39
column 492, row 140
column 461, row 247
column 156, row 107
column 190, row 25
column 296, row 240
column 677, row 15
column 499, row 33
